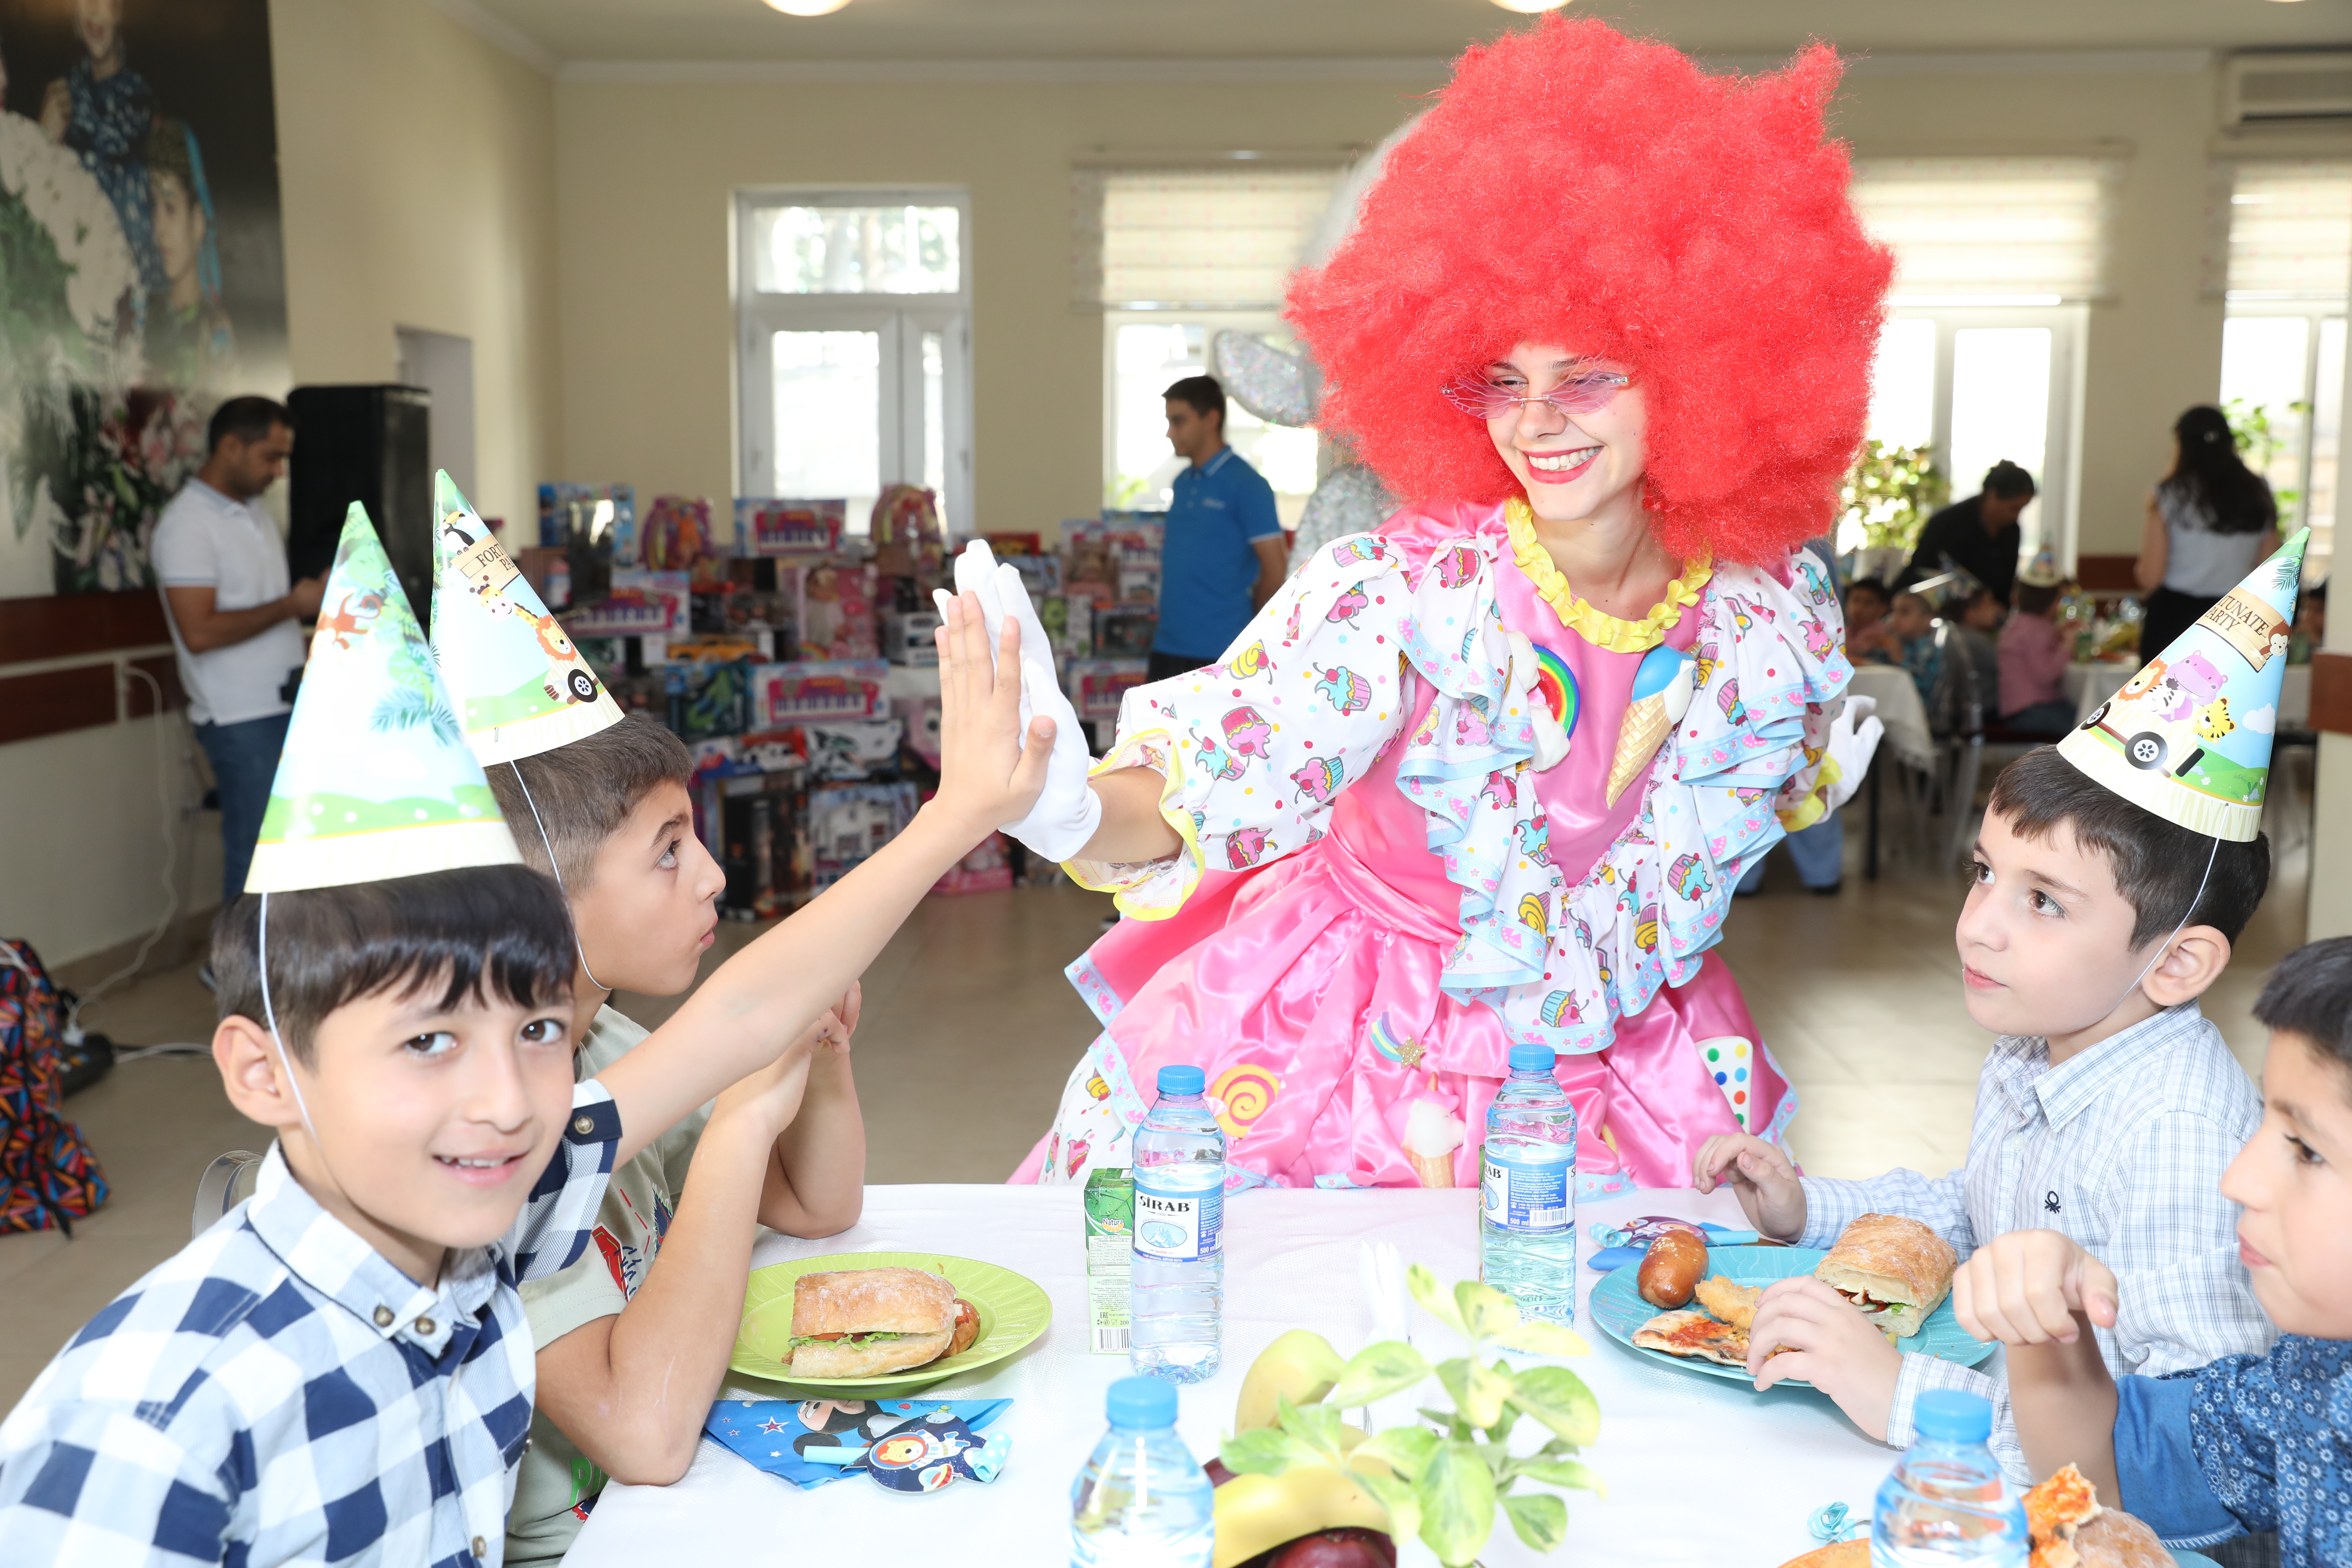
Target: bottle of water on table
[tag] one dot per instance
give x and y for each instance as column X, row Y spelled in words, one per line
column 1527, row 1226
column 1141, row 1503
column 1176, row 1292
column 1945, row 1502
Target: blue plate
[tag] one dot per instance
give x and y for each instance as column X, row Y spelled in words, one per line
column 1619, row 1309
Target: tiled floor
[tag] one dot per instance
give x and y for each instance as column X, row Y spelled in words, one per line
column 970, row 1032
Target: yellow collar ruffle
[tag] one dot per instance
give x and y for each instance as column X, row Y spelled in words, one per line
column 1598, row 628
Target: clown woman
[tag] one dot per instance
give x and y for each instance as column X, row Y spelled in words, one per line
column 1489, row 774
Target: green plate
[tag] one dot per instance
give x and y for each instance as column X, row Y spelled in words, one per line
column 1013, row 1312
column 1618, row 1310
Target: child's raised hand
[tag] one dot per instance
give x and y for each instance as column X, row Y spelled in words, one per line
column 988, row 776
column 1830, row 1344
column 1760, row 1175
column 2024, row 1289
column 833, row 1030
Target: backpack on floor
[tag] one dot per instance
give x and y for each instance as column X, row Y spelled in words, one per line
column 48, row 1175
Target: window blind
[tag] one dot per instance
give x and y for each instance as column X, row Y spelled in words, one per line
column 1984, row 230
column 1216, row 238
column 2289, row 230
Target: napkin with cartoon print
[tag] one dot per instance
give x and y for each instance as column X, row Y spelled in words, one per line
column 811, row 1442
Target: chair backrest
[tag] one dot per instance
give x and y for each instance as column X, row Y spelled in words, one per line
column 227, row 1182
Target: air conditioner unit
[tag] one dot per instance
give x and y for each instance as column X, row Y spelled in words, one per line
column 2286, row 86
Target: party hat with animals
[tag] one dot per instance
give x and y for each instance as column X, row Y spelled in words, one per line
column 2188, row 737
column 375, row 781
column 520, row 685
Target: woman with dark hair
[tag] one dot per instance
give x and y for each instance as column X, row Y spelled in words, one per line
column 2209, row 519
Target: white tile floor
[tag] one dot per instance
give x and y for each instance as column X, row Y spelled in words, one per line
column 970, row 1032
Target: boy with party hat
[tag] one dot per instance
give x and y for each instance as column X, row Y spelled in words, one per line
column 340, row 1370
column 2113, row 873
column 634, row 1337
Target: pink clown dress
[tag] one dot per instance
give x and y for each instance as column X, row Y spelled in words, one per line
column 1382, row 888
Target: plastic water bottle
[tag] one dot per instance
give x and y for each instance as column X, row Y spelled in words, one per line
column 1141, row 1503
column 1176, row 1294
column 1527, row 1225
column 1945, row 1501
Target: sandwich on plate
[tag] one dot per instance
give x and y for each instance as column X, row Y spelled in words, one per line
column 864, row 1322
column 1896, row 1269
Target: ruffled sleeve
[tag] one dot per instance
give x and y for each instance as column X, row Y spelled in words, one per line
column 1254, row 750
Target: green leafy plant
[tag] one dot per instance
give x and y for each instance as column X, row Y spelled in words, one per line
column 1890, row 493
column 1444, row 1478
column 2261, row 441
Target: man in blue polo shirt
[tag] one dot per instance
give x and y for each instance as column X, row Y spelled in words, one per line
column 1225, row 554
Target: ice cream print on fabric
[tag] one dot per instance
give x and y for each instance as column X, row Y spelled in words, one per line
column 520, row 686
column 375, row 781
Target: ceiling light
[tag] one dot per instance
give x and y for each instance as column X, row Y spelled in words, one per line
column 1507, row 5
column 807, row 7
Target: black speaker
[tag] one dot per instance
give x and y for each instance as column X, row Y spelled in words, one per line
column 370, row 445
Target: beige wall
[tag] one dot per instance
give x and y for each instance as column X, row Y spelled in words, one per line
column 417, row 185
column 417, row 173
column 645, row 170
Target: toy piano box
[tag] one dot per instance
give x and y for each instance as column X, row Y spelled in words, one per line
column 1099, row 686
column 798, row 693
column 642, row 604
column 770, row 526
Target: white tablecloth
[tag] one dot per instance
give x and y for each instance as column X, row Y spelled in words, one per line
column 2092, row 684
column 1899, row 709
column 1700, row 1469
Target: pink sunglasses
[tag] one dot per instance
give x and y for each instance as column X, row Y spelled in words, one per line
column 1583, row 391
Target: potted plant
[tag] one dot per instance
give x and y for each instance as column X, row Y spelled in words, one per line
column 1438, row 1483
column 1886, row 502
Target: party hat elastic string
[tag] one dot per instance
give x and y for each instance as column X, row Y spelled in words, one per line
column 2166, row 946
column 269, row 1013
column 556, row 866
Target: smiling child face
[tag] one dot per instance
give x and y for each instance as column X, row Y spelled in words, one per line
column 2294, row 1179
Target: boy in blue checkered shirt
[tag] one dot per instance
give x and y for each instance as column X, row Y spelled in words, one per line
column 340, row 1370
column 2247, row 1443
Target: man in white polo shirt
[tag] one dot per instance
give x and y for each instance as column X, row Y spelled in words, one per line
column 221, row 563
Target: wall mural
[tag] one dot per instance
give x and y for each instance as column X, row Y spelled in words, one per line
column 142, row 271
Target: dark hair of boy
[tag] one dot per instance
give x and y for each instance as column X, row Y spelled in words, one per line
column 2214, row 481
column 2008, row 480
column 2035, row 598
column 475, row 930
column 583, row 791
column 1868, row 585
column 2158, row 865
column 250, row 419
column 2309, row 994
column 1203, row 395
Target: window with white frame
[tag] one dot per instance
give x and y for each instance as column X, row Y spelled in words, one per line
column 2285, row 266
column 1995, row 259
column 1170, row 257
column 854, row 352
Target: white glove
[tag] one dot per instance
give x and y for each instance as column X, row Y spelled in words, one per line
column 1854, row 737
column 1067, row 814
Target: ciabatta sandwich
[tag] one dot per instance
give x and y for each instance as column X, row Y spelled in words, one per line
column 864, row 1322
column 1896, row 1269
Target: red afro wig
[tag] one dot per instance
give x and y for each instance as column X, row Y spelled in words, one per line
column 1574, row 186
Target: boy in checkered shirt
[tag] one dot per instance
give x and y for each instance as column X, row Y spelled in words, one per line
column 341, row 1369
column 2108, row 1109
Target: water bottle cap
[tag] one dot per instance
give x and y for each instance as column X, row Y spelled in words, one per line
column 1182, row 1080
column 1532, row 1058
column 1141, row 1403
column 1951, row 1415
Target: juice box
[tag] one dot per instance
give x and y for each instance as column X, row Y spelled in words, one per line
column 1110, row 1214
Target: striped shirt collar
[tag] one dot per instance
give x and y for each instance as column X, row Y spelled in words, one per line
column 2022, row 1063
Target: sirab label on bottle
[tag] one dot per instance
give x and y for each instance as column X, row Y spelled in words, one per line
column 1526, row 1196
column 1178, row 1226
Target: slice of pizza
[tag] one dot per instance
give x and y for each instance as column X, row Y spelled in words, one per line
column 1694, row 1333
column 2053, row 1512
